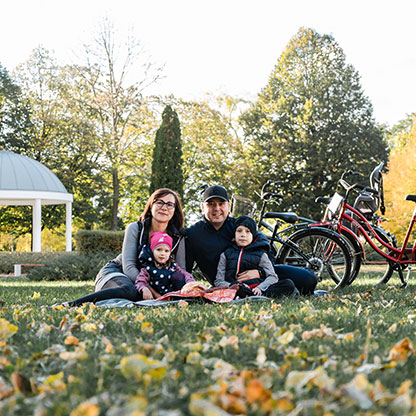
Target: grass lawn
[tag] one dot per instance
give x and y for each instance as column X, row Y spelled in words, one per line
column 350, row 353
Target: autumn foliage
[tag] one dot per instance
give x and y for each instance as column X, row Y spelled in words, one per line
column 399, row 182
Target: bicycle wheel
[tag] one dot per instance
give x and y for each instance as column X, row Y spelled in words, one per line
column 321, row 250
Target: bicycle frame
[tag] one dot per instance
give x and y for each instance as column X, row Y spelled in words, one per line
column 395, row 254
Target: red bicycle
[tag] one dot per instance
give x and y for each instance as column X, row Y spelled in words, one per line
column 359, row 229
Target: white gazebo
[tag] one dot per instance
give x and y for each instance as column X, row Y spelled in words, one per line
column 24, row 181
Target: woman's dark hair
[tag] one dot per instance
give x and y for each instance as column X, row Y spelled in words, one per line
column 177, row 220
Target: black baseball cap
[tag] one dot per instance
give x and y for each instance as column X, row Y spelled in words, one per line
column 215, row 191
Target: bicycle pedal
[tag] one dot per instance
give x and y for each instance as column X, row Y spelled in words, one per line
column 403, row 285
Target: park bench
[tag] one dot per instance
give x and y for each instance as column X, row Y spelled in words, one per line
column 18, row 267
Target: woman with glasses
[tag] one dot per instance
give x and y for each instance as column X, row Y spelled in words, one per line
column 162, row 213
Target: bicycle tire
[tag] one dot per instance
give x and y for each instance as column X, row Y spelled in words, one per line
column 327, row 253
column 387, row 275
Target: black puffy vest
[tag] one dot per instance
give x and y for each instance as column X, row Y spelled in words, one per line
column 250, row 258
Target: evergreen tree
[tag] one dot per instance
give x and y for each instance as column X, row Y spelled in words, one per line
column 310, row 123
column 167, row 154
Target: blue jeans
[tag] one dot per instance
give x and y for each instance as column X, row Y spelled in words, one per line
column 304, row 279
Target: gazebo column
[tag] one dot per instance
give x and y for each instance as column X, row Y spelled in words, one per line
column 36, row 226
column 68, row 232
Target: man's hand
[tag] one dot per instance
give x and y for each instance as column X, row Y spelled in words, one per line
column 147, row 294
column 256, row 291
column 248, row 274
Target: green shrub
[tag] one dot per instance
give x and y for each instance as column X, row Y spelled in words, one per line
column 93, row 241
column 71, row 267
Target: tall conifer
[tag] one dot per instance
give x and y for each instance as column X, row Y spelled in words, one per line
column 167, row 154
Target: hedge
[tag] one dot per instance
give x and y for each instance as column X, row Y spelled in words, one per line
column 96, row 241
column 69, row 267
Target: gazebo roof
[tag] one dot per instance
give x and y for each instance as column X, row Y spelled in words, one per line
column 20, row 173
column 23, row 180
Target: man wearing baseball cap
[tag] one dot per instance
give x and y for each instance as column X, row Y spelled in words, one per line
column 211, row 235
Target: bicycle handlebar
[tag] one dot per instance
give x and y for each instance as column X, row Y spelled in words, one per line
column 349, row 187
column 350, row 172
column 270, row 195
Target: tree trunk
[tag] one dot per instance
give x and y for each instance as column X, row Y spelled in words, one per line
column 116, row 196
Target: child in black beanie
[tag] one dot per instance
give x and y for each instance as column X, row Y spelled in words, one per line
column 248, row 252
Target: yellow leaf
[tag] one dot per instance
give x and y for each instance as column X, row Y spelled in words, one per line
column 147, row 328
column 53, row 382
column 138, row 366
column 193, row 357
column 78, row 354
column 71, row 340
column 286, row 337
column 349, row 337
column 89, row 327
column 86, row 409
column 7, row 329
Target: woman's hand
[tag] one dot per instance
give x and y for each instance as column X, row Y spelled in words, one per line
column 147, row 294
column 257, row 291
column 248, row 274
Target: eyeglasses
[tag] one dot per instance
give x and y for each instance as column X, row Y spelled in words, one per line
column 160, row 204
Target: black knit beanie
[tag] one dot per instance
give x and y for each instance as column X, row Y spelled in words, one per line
column 247, row 222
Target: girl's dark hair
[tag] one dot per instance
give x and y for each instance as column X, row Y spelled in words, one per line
column 177, row 220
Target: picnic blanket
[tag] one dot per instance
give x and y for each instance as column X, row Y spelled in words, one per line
column 218, row 296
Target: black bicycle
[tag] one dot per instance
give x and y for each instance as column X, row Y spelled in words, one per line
column 320, row 249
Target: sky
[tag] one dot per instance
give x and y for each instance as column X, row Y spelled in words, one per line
column 229, row 46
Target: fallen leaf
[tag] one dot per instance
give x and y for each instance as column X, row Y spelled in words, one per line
column 5, row 390
column 261, row 356
column 286, row 337
column 86, row 409
column 71, row 340
column 147, row 328
column 200, row 407
column 20, row 383
column 53, row 382
column 232, row 341
column 401, row 350
column 139, row 365
column 255, row 391
column 7, row 329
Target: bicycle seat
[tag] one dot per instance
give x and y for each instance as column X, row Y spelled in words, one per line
column 289, row 217
column 410, row 198
column 323, row 199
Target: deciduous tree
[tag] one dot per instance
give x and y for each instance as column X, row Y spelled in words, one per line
column 112, row 80
column 399, row 182
column 311, row 122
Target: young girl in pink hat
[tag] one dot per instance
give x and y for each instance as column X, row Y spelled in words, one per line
column 160, row 274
